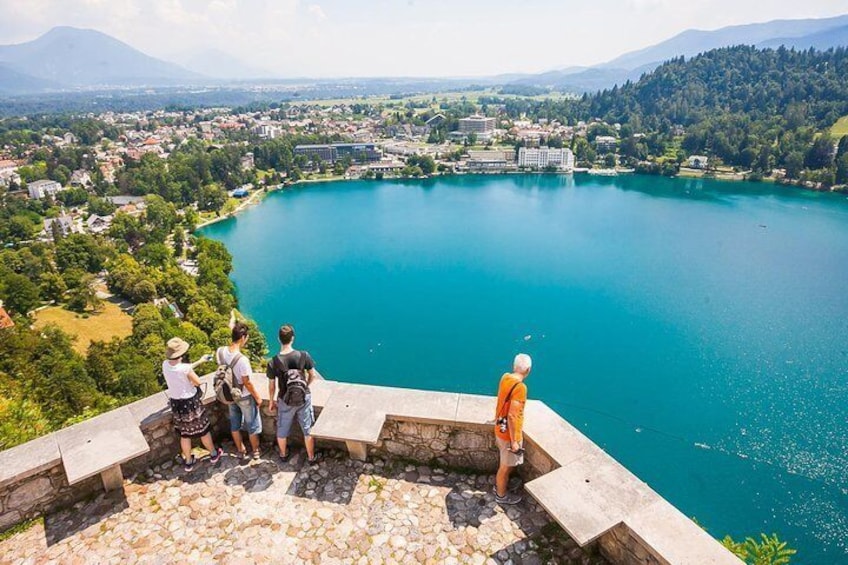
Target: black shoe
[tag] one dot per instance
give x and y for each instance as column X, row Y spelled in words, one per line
column 189, row 465
column 285, row 456
column 314, row 460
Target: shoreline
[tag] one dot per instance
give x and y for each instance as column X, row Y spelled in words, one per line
column 261, row 194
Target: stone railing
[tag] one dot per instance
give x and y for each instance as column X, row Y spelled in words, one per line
column 597, row 501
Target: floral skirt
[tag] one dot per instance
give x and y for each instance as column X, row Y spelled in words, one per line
column 190, row 419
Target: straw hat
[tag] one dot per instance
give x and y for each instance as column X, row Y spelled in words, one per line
column 176, row 348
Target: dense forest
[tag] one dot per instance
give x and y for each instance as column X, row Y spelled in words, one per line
column 755, row 109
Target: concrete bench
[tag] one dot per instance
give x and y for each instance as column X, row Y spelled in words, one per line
column 590, row 496
column 355, row 414
column 99, row 446
column 348, row 418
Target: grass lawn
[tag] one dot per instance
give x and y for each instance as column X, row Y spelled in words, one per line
column 840, row 128
column 110, row 322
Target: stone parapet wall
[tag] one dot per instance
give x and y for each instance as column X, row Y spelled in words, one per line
column 441, row 445
column 40, row 494
column 595, row 499
column 620, row 545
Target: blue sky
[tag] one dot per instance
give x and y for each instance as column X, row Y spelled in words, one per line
column 324, row 38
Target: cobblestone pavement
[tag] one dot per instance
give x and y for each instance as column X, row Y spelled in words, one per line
column 337, row 511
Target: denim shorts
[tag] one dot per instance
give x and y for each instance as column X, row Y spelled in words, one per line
column 245, row 414
column 286, row 415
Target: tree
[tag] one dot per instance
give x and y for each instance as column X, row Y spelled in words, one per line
column 179, row 241
column 21, row 420
column 19, row 293
column 212, row 198
column 99, row 365
column 794, row 164
column 81, row 251
column 842, row 168
column 159, row 217
column 84, row 296
column 143, row 291
column 22, row 228
column 52, row 286
column 155, row 255
column 768, row 550
column 820, row 155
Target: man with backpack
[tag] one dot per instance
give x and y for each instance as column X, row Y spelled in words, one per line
column 233, row 387
column 509, row 424
column 289, row 375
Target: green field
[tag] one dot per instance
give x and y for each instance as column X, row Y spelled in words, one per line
column 840, row 128
column 470, row 95
column 103, row 325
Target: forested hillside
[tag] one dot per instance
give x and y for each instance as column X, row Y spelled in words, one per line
column 783, row 87
column 754, row 109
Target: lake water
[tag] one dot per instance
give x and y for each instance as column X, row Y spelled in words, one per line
column 696, row 330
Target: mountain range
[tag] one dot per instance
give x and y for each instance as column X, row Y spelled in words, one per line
column 67, row 58
column 799, row 34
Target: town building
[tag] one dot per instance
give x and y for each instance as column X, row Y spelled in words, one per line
column 480, row 125
column 41, row 188
column 65, row 223
column 266, row 131
column 494, row 160
column 98, row 224
column 543, row 157
column 247, row 162
column 326, row 153
column 80, row 178
column 9, row 173
column 698, row 162
column 605, row 143
column 386, row 167
column 358, row 152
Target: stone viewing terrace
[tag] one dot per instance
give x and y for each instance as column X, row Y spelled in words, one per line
column 407, row 478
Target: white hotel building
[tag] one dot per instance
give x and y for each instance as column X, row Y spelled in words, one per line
column 542, row 157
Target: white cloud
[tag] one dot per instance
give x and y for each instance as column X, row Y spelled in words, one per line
column 395, row 37
column 317, row 12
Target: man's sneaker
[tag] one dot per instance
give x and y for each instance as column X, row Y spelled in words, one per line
column 189, row 465
column 315, row 459
column 216, row 455
column 243, row 456
column 509, row 498
column 285, row 456
column 257, row 454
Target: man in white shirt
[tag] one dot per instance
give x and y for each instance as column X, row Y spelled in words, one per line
column 244, row 413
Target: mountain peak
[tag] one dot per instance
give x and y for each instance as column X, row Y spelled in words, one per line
column 71, row 56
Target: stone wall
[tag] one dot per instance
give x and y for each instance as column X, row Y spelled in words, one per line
column 444, row 429
column 442, row 445
column 32, row 494
column 42, row 493
column 620, row 545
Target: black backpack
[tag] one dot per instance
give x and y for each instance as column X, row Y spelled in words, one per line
column 297, row 384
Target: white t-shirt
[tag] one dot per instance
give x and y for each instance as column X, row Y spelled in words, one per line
column 179, row 386
column 241, row 369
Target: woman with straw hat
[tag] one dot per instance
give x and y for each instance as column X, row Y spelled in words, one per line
column 186, row 400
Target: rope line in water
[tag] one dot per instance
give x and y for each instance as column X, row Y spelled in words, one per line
column 704, row 446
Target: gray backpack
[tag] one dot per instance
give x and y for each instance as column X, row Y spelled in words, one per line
column 227, row 388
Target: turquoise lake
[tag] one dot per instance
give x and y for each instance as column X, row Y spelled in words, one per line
column 696, row 330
